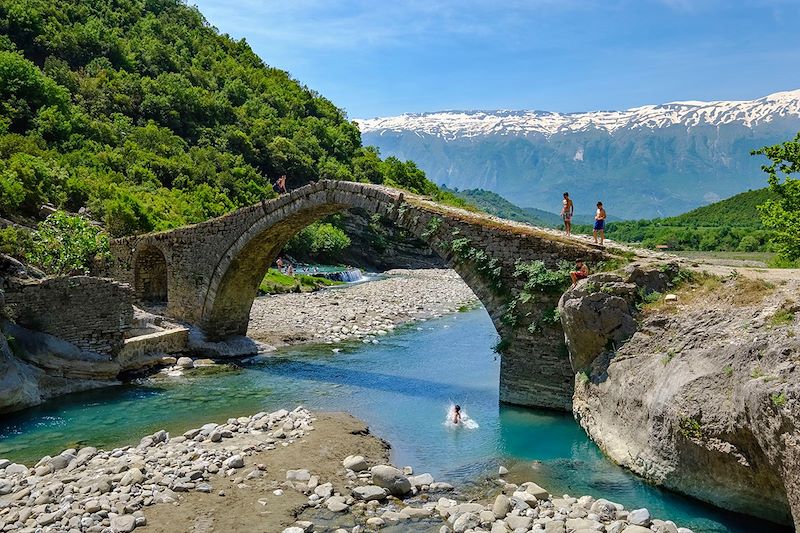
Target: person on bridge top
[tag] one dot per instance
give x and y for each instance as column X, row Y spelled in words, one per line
column 600, row 223
column 581, row 272
column 566, row 213
column 281, row 184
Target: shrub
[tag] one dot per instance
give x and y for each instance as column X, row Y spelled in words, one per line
column 539, row 278
column 14, row 242
column 321, row 240
column 690, row 428
column 65, row 244
column 778, row 400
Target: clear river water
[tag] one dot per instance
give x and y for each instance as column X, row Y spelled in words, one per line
column 402, row 387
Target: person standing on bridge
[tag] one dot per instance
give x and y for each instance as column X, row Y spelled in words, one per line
column 281, row 184
column 600, row 223
column 566, row 213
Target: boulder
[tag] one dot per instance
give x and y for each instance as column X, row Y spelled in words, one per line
column 517, row 522
column 391, row 479
column 636, row 529
column 501, row 507
column 369, row 493
column 466, row 521
column 298, row 475
column 356, row 463
column 235, row 461
column 593, row 321
column 123, row 523
column 336, row 504
column 639, row 517
column 536, row 490
column 420, row 480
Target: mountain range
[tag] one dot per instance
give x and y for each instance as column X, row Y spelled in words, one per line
column 644, row 162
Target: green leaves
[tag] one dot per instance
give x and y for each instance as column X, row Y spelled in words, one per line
column 65, row 244
column 782, row 214
column 320, row 240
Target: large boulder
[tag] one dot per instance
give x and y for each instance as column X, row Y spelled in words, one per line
column 391, row 479
column 597, row 313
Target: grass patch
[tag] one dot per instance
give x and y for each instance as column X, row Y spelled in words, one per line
column 757, row 373
column 668, row 357
column 748, row 291
column 275, row 282
column 728, row 370
column 781, row 317
column 778, row 400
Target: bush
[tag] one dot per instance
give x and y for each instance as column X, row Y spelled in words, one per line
column 65, row 244
column 321, row 241
column 14, row 242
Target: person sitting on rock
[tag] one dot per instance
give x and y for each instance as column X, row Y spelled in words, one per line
column 582, row 272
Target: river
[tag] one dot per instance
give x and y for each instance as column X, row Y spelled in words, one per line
column 401, row 387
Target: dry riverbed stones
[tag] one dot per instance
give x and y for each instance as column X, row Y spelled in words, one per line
column 91, row 490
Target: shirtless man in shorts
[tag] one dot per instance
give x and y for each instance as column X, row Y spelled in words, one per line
column 566, row 213
column 600, row 223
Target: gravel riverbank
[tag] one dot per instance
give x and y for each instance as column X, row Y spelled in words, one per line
column 290, row 472
column 358, row 312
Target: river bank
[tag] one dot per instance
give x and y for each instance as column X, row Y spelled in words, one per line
column 360, row 312
column 281, row 471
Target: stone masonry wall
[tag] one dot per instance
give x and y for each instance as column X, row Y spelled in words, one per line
column 213, row 269
column 91, row 313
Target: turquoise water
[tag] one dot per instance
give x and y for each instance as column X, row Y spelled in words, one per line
column 402, row 387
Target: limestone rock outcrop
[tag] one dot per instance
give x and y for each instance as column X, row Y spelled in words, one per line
column 704, row 397
column 600, row 312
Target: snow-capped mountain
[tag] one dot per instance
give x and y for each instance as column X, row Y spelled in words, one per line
column 652, row 160
column 455, row 124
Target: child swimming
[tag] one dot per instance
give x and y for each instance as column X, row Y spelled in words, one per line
column 457, row 417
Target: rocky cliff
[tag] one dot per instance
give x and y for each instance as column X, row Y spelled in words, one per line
column 697, row 392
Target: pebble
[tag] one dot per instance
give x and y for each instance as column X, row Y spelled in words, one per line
column 363, row 311
column 107, row 491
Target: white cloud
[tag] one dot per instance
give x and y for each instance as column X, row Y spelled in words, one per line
column 313, row 24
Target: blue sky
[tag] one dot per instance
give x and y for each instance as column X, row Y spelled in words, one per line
column 385, row 57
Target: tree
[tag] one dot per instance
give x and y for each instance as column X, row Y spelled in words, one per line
column 782, row 215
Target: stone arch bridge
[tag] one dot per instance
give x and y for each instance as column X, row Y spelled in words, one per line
column 209, row 273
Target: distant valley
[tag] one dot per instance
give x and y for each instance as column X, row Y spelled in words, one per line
column 646, row 162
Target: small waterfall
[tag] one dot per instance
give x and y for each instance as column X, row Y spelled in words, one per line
column 350, row 275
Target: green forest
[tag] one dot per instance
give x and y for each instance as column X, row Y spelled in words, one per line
column 732, row 224
column 139, row 114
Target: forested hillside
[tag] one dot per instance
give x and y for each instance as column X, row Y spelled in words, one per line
column 143, row 114
column 494, row 204
column 732, row 224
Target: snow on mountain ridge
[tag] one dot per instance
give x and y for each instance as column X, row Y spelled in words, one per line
column 455, row 124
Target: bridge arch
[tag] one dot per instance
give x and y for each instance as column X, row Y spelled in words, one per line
column 214, row 270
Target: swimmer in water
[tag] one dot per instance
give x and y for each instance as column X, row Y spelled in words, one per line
column 457, row 415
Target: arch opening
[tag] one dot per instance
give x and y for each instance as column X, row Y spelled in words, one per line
column 150, row 276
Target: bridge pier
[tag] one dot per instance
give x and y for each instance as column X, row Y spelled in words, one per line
column 213, row 270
